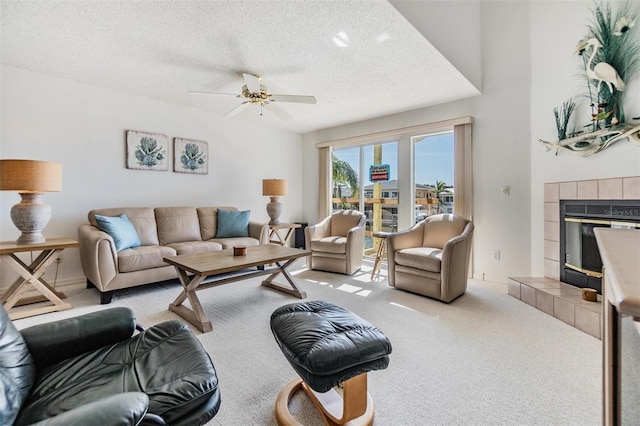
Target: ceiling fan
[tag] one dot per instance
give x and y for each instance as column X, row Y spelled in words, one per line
column 256, row 94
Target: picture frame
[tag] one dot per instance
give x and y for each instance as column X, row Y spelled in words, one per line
column 147, row 151
column 190, row 156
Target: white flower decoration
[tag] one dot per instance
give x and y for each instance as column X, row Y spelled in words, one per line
column 623, row 25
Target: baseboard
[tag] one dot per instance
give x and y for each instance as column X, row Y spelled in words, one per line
column 482, row 276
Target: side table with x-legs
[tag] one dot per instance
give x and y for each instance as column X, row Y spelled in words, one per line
column 274, row 232
column 31, row 277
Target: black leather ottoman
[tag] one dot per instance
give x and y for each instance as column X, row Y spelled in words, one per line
column 328, row 345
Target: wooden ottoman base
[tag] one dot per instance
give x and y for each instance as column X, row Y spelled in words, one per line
column 354, row 407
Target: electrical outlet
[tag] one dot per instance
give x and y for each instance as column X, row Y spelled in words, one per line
column 496, row 254
column 59, row 259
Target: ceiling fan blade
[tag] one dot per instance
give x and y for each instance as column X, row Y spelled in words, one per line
column 301, row 99
column 278, row 112
column 252, row 82
column 237, row 110
column 214, row 93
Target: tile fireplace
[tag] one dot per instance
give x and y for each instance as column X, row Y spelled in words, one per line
column 550, row 293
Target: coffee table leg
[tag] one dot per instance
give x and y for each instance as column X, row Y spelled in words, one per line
column 282, row 269
column 195, row 315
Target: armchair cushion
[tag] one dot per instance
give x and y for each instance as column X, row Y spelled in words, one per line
column 186, row 381
column 342, row 223
column 440, row 229
column 17, row 370
column 116, row 410
column 53, row 342
column 330, row 245
column 425, row 258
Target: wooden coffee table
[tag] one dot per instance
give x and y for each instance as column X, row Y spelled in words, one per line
column 193, row 269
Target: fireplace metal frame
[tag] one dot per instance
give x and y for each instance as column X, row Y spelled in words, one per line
column 601, row 212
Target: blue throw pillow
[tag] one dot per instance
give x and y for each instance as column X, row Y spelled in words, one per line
column 120, row 229
column 232, row 223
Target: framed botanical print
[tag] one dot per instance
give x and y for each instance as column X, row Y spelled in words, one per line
column 147, row 151
column 190, row 156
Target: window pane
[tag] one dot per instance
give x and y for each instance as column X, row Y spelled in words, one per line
column 433, row 174
column 345, row 183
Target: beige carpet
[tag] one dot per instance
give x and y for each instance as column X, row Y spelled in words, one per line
column 485, row 359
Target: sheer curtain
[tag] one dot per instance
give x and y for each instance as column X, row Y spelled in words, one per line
column 324, row 186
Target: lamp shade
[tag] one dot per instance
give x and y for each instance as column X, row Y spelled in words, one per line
column 30, row 176
column 274, row 187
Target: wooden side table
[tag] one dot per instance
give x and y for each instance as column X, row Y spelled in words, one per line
column 274, row 232
column 381, row 249
column 32, row 276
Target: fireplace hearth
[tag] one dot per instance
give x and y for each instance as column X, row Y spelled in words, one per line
column 580, row 263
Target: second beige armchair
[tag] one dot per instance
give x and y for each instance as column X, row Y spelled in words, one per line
column 337, row 242
column 432, row 257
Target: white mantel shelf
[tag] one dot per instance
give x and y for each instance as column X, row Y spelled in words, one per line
column 620, row 252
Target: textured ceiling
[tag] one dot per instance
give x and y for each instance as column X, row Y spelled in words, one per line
column 360, row 59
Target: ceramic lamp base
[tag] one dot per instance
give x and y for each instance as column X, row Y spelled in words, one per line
column 30, row 216
column 274, row 208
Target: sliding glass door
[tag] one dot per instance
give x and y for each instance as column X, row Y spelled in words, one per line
column 364, row 178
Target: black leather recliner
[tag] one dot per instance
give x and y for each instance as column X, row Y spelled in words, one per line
column 93, row 369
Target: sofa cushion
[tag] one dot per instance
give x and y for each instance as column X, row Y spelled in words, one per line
column 227, row 243
column 233, row 224
column 17, row 370
column 333, row 244
column 177, row 225
column 121, row 230
column 194, row 247
column 142, row 218
column 425, row 258
column 208, row 217
column 143, row 257
column 183, row 383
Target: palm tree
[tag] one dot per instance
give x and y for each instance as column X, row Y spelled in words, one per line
column 343, row 174
column 440, row 188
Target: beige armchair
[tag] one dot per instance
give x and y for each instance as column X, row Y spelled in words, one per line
column 337, row 242
column 432, row 257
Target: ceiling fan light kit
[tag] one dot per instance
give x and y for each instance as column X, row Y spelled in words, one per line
column 256, row 94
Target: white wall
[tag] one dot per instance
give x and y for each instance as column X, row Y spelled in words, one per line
column 83, row 127
column 528, row 68
column 556, row 28
column 452, row 27
column 500, row 137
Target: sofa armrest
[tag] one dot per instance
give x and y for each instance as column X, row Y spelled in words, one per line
column 127, row 408
column 98, row 255
column 259, row 231
column 52, row 342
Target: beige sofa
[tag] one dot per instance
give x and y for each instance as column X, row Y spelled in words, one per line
column 163, row 231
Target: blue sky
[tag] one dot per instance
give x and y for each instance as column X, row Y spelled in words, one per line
column 433, row 157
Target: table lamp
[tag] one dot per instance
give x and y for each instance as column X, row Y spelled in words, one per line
column 30, row 178
column 274, row 188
